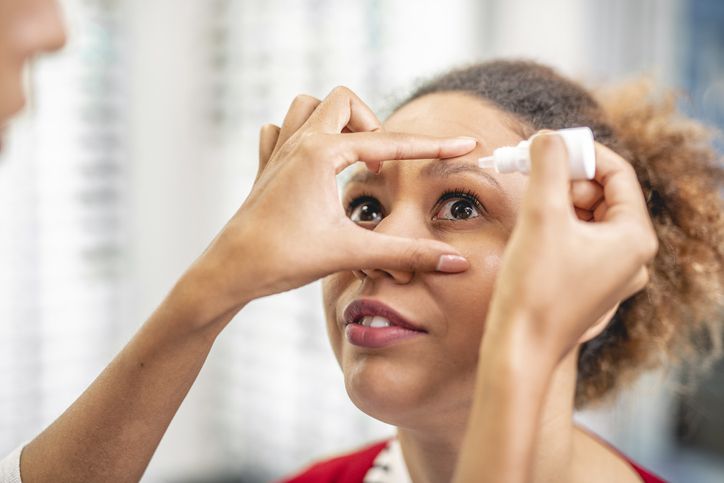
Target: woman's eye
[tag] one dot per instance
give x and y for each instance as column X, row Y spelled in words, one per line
column 366, row 210
column 459, row 207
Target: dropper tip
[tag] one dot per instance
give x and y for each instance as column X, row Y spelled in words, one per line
column 486, row 162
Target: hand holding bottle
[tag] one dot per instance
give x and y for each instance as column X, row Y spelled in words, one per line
column 560, row 275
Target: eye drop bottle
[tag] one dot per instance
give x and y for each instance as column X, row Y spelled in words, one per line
column 578, row 141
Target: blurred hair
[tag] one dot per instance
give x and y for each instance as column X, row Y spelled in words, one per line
column 678, row 316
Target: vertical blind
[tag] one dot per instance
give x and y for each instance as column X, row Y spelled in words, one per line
column 61, row 192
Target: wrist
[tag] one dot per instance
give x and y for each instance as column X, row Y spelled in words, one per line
column 512, row 344
column 199, row 302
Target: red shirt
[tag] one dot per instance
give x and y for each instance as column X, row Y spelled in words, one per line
column 352, row 467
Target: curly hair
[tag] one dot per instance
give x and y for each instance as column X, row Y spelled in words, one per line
column 678, row 316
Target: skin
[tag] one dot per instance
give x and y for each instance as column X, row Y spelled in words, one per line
column 412, row 383
column 112, row 430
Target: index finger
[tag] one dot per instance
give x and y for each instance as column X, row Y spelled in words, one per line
column 386, row 146
column 342, row 109
column 621, row 190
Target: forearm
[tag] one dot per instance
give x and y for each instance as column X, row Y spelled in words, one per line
column 113, row 429
column 512, row 382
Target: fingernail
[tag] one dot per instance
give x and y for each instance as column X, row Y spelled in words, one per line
column 374, row 167
column 546, row 139
column 540, row 134
column 452, row 264
column 463, row 142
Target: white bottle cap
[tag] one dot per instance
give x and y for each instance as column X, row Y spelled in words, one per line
column 581, row 151
column 579, row 144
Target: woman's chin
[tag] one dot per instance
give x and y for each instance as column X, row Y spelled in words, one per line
column 388, row 392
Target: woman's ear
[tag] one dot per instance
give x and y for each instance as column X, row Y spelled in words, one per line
column 598, row 327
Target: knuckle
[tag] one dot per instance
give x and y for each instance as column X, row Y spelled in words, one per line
column 438, row 153
column 628, row 169
column 403, row 147
column 314, row 145
column 652, row 246
column 647, row 246
column 300, row 99
column 309, row 143
column 645, row 277
column 304, row 100
column 639, row 282
column 268, row 127
column 303, row 103
column 414, row 257
column 341, row 91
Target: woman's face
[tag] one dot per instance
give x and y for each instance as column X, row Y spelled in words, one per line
column 402, row 381
column 27, row 28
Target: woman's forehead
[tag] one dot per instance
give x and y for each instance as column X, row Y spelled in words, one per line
column 446, row 114
column 455, row 114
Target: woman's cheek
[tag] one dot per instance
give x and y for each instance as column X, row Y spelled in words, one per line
column 470, row 293
column 489, row 268
column 333, row 287
column 491, row 264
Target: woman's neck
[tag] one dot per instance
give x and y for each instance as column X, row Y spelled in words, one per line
column 431, row 452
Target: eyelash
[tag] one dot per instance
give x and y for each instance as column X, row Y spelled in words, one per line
column 463, row 193
column 358, row 200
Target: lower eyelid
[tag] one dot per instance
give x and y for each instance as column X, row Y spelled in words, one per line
column 449, row 220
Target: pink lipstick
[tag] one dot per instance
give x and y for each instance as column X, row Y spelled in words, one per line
column 372, row 324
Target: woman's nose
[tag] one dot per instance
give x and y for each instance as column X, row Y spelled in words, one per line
column 396, row 276
column 402, row 223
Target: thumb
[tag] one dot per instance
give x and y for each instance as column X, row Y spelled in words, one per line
column 369, row 250
column 549, row 173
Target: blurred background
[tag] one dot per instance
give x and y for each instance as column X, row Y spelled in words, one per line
column 141, row 141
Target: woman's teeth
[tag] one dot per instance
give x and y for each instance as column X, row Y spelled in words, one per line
column 375, row 321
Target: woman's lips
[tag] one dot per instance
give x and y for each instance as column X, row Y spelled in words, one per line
column 372, row 324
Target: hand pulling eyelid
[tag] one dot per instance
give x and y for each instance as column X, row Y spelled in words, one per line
column 578, row 141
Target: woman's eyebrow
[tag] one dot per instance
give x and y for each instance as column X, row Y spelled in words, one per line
column 432, row 170
column 443, row 170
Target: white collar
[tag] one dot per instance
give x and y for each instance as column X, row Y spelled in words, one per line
column 389, row 466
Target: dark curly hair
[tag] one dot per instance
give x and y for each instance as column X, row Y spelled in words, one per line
column 678, row 316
